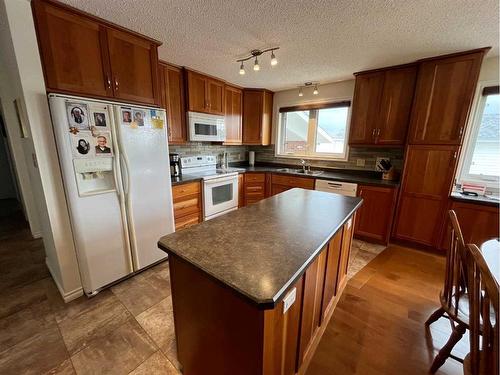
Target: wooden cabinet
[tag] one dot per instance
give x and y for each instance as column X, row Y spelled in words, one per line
column 205, row 94
column 233, row 116
column 282, row 182
column 443, row 97
column 374, row 218
column 173, row 100
column 381, row 106
column 187, row 204
column 257, row 116
column 87, row 56
column 478, row 222
column 255, row 187
column 331, row 288
column 241, row 190
column 427, row 180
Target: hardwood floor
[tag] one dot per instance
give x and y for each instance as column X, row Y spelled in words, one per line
column 378, row 325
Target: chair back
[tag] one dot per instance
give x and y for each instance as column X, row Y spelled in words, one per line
column 455, row 282
column 484, row 314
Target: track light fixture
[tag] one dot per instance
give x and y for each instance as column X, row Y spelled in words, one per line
column 309, row 84
column 255, row 54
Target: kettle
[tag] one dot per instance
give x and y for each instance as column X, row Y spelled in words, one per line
column 175, row 165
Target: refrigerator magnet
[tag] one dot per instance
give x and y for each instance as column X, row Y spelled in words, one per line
column 82, row 145
column 77, row 115
column 157, row 123
column 103, row 140
column 100, row 119
column 139, row 117
column 126, row 116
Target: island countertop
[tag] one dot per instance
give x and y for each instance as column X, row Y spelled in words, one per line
column 262, row 249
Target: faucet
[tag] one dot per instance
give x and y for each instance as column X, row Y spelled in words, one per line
column 305, row 166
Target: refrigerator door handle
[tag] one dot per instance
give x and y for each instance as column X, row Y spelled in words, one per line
column 126, row 176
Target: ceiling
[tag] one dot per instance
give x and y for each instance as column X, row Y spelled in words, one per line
column 320, row 40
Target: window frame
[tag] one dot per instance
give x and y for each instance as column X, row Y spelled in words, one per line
column 491, row 182
column 312, row 131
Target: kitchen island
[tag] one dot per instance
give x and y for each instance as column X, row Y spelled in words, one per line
column 253, row 290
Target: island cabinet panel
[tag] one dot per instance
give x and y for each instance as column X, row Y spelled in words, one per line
column 331, row 289
column 444, row 92
column 84, row 55
column 374, row 218
column 187, row 204
column 173, row 100
column 311, row 306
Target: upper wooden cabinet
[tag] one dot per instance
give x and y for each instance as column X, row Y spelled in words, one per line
column 374, row 218
column 205, row 94
column 87, row 56
column 233, row 117
column 257, row 116
column 173, row 100
column 381, row 106
column 444, row 92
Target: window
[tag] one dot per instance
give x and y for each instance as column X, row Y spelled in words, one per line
column 481, row 161
column 314, row 131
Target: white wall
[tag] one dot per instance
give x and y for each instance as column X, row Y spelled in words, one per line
column 26, row 81
column 7, row 188
column 490, row 70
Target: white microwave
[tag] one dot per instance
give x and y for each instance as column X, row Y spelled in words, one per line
column 206, row 128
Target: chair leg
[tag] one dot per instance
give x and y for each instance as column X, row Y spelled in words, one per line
column 435, row 316
column 445, row 351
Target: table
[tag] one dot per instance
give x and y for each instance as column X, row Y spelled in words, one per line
column 491, row 254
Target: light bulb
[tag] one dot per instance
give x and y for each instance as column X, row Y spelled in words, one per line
column 300, row 92
column 242, row 69
column 256, row 65
column 315, row 92
column 274, row 60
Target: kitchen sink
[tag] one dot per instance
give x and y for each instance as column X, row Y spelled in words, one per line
column 288, row 170
column 299, row 171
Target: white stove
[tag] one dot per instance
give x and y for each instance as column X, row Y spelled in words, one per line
column 220, row 186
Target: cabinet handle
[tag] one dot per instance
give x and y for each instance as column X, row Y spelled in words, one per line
column 460, row 132
column 455, row 155
column 378, row 132
column 373, row 133
column 109, row 82
column 116, row 83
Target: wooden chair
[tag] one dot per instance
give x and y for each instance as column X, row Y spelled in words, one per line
column 483, row 289
column 453, row 297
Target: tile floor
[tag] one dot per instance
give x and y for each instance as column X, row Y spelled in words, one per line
column 127, row 329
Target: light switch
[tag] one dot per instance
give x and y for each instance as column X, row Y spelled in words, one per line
column 289, row 300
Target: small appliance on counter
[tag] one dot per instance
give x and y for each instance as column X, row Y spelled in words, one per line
column 251, row 158
column 175, row 165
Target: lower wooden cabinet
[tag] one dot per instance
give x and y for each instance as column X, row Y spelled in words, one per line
column 255, row 187
column 282, row 182
column 478, row 222
column 374, row 218
column 187, row 204
column 241, row 190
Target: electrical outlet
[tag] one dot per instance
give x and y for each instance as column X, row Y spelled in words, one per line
column 360, row 162
column 289, row 300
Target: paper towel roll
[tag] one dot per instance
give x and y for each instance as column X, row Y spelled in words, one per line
column 251, row 158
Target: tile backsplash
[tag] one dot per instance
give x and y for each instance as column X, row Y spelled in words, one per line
column 265, row 154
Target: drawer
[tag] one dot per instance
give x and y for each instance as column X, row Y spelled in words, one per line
column 183, row 190
column 254, row 188
column 255, row 177
column 187, row 221
column 292, row 181
column 187, row 205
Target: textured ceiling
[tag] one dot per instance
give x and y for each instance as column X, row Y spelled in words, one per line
column 321, row 40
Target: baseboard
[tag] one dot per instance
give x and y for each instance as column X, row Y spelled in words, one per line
column 67, row 296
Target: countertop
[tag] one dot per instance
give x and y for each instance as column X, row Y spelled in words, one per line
column 261, row 250
column 354, row 176
column 457, row 196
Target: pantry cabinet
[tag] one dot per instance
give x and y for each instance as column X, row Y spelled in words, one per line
column 374, row 217
column 205, row 94
column 173, row 100
column 381, row 106
column 257, row 116
column 87, row 56
column 444, row 92
column 233, row 116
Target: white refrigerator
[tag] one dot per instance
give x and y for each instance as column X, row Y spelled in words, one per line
column 116, row 171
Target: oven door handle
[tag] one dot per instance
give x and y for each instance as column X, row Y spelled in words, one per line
column 220, row 179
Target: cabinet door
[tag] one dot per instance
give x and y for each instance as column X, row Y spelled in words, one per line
column 215, row 90
column 134, row 64
column 345, row 253
column 197, row 92
column 427, row 182
column 444, row 92
column 233, row 117
column 365, row 108
column 74, row 51
column 331, row 273
column 374, row 218
column 253, row 102
column 395, row 105
column 173, row 83
column 311, row 304
column 241, row 190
